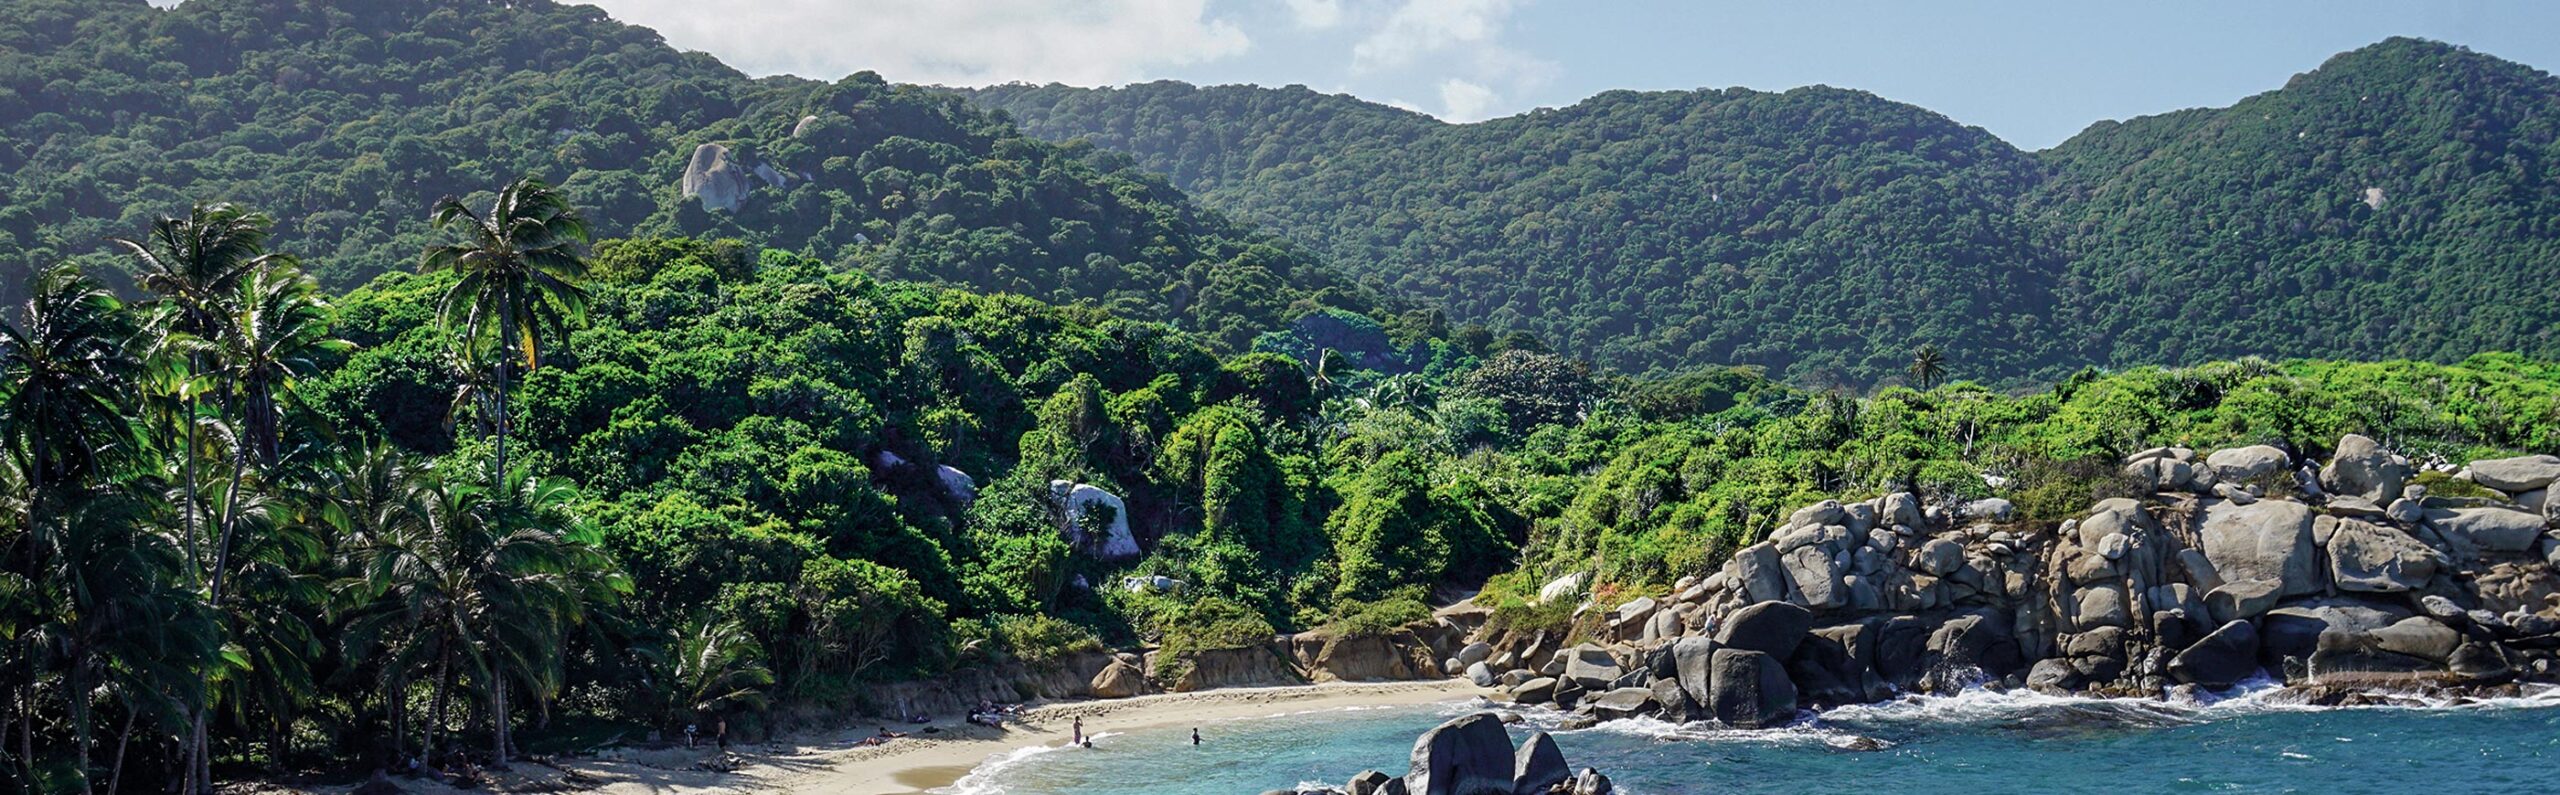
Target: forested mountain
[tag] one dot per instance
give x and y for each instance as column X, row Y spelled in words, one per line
column 2397, row 201
column 344, row 120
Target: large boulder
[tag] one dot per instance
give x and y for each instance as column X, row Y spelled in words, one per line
column 1088, row 529
column 1940, row 557
column 1465, row 756
column 957, row 485
column 1763, row 579
column 2492, row 529
column 1371, row 782
column 1750, row 690
column 1119, row 680
column 1966, row 647
column 2161, row 474
column 1901, row 509
column 1534, row 692
column 1623, row 702
column 1591, row 667
column 2362, row 468
column 2241, row 464
column 1538, row 765
column 1771, row 628
column 2221, row 659
column 2516, row 475
column 2292, row 632
column 1693, row 659
column 2376, row 559
column 1816, row 577
column 716, row 179
column 2264, row 540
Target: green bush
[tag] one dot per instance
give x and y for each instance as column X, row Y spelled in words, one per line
column 1043, row 639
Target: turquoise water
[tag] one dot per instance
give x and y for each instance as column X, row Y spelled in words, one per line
column 1975, row 743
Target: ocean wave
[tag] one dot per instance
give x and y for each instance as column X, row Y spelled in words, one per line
column 1977, row 706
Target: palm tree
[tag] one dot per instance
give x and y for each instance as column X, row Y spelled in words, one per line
column 66, row 368
column 520, row 264
column 1928, row 367
column 196, row 265
column 717, row 667
column 461, row 576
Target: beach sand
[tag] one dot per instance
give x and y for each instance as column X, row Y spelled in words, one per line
column 829, row 763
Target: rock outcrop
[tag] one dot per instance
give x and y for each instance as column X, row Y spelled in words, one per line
column 2238, row 566
column 717, row 180
column 1472, row 755
column 1097, row 520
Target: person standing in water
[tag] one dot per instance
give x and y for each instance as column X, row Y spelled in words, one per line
column 1079, row 738
column 1195, row 736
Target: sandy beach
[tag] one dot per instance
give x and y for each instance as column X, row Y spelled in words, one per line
column 830, row 763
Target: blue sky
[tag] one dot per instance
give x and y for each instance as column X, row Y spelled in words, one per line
column 2031, row 72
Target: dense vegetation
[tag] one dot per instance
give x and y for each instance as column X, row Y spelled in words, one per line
column 1823, row 233
column 598, row 461
column 337, row 117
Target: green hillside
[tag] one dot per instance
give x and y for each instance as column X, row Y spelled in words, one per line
column 1824, row 233
column 346, row 120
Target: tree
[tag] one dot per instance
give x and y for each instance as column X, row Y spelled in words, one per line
column 1928, row 367
column 67, row 368
column 519, row 266
column 716, row 666
column 196, row 265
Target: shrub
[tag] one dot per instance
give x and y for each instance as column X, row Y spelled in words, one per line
column 1043, row 639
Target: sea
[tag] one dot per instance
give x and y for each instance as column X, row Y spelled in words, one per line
column 1971, row 743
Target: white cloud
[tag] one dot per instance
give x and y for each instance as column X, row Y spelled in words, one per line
column 958, row 42
column 1316, row 14
column 1462, row 101
column 1420, row 28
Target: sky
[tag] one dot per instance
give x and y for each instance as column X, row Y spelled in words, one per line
column 2033, row 73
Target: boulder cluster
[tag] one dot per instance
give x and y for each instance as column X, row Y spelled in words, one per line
column 1473, row 755
column 2342, row 578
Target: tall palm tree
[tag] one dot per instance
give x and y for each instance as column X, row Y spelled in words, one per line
column 487, row 583
column 196, row 265
column 520, row 264
column 66, row 365
column 1928, row 367
column 717, row 666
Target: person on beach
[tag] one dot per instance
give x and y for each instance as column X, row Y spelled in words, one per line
column 1195, row 736
column 689, row 731
column 720, row 732
column 1079, row 736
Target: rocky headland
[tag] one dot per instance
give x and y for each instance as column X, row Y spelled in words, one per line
column 2343, row 580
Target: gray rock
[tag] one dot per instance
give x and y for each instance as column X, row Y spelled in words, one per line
column 2362, row 468
column 1816, row 577
column 1534, row 692
column 1991, row 509
column 1622, row 702
column 1590, row 782
column 1826, row 512
column 1900, row 509
column 1480, row 673
column 2493, row 529
column 1693, row 659
column 2269, row 540
column 1632, row 615
column 2248, row 463
column 2406, row 510
column 1369, row 782
column 1591, row 667
column 1465, row 756
column 1772, row 628
column 1763, row 579
column 718, row 181
column 1939, row 557
column 1476, row 652
column 1538, row 765
column 2243, row 599
column 1084, row 504
column 2219, row 660
column 2294, row 630
column 2516, row 475
column 2480, row 661
column 2161, row 474
column 2375, row 559
column 2101, row 606
column 1750, row 690
column 2418, row 636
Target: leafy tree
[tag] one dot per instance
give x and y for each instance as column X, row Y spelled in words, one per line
column 519, row 265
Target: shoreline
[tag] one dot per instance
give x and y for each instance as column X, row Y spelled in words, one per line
column 920, row 764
